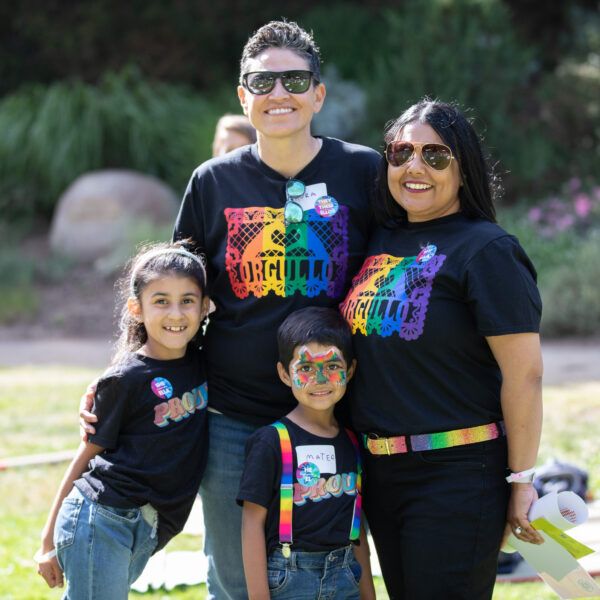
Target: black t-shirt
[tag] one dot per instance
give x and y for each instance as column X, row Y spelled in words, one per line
column 420, row 308
column 152, row 423
column 324, row 486
column 260, row 270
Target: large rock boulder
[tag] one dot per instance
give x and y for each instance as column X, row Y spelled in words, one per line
column 94, row 213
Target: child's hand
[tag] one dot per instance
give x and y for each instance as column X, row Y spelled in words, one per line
column 49, row 569
column 85, row 416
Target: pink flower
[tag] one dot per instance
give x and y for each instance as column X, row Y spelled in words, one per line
column 564, row 222
column 582, row 205
column 535, row 214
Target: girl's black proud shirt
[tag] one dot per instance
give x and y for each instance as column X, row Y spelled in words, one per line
column 152, row 423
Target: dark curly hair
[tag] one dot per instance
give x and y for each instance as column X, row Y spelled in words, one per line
column 480, row 184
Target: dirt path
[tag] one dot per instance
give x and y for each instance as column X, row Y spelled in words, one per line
column 565, row 361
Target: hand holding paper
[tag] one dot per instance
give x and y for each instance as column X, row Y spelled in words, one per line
column 556, row 559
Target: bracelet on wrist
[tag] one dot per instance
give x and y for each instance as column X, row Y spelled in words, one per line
column 526, row 476
column 39, row 557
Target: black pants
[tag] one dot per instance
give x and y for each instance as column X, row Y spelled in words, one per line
column 437, row 519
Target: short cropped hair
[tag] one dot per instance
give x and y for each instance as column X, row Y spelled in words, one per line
column 479, row 183
column 287, row 35
column 318, row 324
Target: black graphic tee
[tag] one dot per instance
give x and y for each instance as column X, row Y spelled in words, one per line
column 152, row 424
column 261, row 269
column 420, row 308
column 324, row 477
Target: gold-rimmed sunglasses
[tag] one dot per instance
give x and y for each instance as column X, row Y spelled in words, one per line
column 437, row 156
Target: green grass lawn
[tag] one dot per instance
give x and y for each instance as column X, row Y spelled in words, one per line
column 38, row 408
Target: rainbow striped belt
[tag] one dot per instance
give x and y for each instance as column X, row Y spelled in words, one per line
column 433, row 441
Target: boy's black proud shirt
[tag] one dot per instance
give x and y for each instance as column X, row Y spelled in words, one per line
column 324, row 478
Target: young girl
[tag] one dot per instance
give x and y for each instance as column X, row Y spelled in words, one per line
column 131, row 486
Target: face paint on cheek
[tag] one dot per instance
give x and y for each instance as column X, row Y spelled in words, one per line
column 300, row 380
column 337, row 377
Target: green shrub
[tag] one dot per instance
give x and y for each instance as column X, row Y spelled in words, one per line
column 561, row 235
column 570, row 292
column 53, row 134
column 464, row 52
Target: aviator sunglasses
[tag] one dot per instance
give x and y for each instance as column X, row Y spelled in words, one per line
column 293, row 211
column 437, row 156
column 262, row 82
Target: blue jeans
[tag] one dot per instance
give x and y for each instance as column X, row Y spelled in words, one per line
column 222, row 515
column 326, row 575
column 102, row 550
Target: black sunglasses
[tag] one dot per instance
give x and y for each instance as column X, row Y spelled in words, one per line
column 262, row 82
column 293, row 211
column 437, row 156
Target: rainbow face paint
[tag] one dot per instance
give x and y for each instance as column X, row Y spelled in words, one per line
column 328, row 366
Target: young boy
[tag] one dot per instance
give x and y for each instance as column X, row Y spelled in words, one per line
column 300, row 489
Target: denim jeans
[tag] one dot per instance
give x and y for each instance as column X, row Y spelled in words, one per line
column 222, row 515
column 102, row 550
column 331, row 575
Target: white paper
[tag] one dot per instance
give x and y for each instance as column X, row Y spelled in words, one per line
column 554, row 563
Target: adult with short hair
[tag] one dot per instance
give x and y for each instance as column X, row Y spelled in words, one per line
column 445, row 314
column 284, row 224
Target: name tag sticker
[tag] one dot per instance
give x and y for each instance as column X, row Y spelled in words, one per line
column 312, row 194
column 321, row 456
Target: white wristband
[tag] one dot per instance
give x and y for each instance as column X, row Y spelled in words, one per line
column 522, row 477
column 39, row 557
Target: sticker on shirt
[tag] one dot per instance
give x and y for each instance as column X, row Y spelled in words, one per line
column 309, row 258
column 162, row 387
column 391, row 294
column 308, row 474
column 321, row 456
column 326, row 206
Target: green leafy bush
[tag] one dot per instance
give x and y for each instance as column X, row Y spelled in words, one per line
column 570, row 292
column 464, row 52
column 561, row 235
column 53, row 134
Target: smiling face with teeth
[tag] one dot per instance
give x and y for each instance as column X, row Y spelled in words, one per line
column 422, row 191
column 172, row 309
column 280, row 114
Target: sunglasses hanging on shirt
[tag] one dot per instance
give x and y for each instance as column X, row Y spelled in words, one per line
column 293, row 211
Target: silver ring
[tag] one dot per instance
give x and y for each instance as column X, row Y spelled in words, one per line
column 518, row 530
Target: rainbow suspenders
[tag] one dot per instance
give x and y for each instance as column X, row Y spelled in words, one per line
column 286, row 502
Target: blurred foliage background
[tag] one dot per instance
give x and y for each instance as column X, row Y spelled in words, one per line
column 141, row 84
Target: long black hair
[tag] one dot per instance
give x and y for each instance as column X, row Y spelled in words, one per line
column 479, row 183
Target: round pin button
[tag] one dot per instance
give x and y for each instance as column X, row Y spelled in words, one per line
column 326, row 206
column 307, row 474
